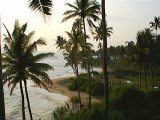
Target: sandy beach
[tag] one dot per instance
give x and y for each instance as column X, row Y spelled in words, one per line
column 57, row 87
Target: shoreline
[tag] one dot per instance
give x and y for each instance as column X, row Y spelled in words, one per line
column 63, row 90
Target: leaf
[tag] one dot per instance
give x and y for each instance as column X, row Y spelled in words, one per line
column 43, row 6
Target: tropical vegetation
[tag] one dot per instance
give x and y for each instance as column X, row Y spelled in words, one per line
column 20, row 63
column 43, row 7
column 84, row 11
column 127, row 87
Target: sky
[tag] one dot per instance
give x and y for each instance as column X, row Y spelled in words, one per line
column 126, row 17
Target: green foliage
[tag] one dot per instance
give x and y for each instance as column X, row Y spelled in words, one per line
column 83, row 83
column 96, row 113
column 134, row 104
column 73, row 85
column 97, row 84
column 98, row 89
column 128, row 103
column 115, row 115
column 154, row 99
column 67, row 110
column 74, row 100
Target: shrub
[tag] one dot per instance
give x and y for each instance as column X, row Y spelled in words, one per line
column 98, row 89
column 133, row 104
column 97, row 113
column 74, row 100
column 83, row 83
column 73, row 85
column 154, row 101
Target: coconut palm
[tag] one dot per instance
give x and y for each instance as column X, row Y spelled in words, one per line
column 85, row 10
column 156, row 24
column 99, row 37
column 73, row 48
column 21, row 65
column 60, row 43
column 44, row 7
column 139, row 53
column 98, row 32
column 83, row 58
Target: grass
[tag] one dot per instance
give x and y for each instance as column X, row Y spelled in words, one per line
column 115, row 82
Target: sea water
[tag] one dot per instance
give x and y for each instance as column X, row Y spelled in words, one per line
column 42, row 102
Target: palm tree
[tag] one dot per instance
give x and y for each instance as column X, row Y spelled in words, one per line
column 98, row 32
column 73, row 47
column 156, row 24
column 20, row 64
column 44, row 7
column 85, row 10
column 139, row 53
column 60, row 43
column 135, row 55
column 99, row 37
column 105, row 63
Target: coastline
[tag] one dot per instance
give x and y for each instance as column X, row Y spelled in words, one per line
column 63, row 90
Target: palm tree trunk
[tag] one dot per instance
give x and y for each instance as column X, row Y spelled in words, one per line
column 78, row 84
column 105, row 63
column 156, row 33
column 90, row 89
column 2, row 103
column 88, row 66
column 140, row 81
column 152, row 77
column 145, row 78
column 23, row 105
column 27, row 97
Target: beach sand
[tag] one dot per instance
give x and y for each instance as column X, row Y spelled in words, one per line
column 57, row 87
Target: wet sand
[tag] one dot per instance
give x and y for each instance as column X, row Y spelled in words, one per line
column 60, row 88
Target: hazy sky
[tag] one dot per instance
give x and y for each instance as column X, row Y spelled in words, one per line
column 125, row 16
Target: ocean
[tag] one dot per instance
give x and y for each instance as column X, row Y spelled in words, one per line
column 42, row 102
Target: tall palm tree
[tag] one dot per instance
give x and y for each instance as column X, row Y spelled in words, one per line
column 98, row 32
column 85, row 10
column 20, row 64
column 156, row 24
column 73, row 48
column 44, row 7
column 139, row 53
column 99, row 37
column 105, row 63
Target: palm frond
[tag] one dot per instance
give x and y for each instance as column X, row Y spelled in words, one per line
column 38, row 81
column 43, row 6
column 9, row 35
column 41, row 56
column 33, row 46
column 71, row 6
column 28, row 39
column 69, row 17
column 38, row 67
